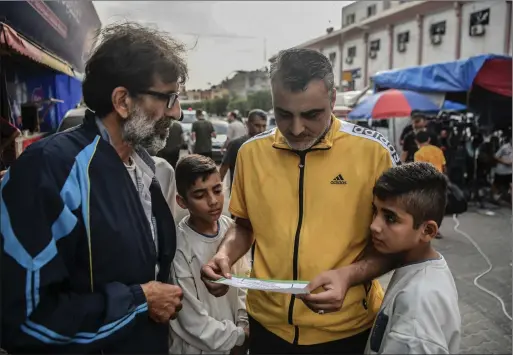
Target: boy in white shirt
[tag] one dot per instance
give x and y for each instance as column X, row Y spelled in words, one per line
column 420, row 313
column 207, row 324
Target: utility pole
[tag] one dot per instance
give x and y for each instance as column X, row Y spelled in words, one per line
column 265, row 52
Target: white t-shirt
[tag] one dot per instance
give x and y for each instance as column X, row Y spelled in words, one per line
column 236, row 129
column 505, row 152
column 207, row 324
column 419, row 314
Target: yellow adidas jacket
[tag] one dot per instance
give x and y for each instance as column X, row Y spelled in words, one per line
column 310, row 213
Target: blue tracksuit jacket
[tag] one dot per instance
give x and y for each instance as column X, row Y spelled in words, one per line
column 77, row 247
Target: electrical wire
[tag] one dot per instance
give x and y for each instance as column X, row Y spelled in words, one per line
column 490, row 267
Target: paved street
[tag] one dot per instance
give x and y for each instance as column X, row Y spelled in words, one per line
column 486, row 330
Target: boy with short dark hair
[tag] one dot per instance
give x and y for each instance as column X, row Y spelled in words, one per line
column 429, row 153
column 208, row 324
column 419, row 314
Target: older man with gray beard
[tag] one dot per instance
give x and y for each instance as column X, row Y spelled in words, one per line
column 87, row 251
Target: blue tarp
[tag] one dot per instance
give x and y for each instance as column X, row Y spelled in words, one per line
column 454, row 76
column 41, row 83
column 453, row 106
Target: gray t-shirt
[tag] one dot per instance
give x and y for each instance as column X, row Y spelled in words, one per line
column 506, row 153
column 419, row 314
column 203, row 130
column 236, row 129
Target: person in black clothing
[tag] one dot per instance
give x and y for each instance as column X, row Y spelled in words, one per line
column 171, row 152
column 419, row 123
column 257, row 123
column 202, row 132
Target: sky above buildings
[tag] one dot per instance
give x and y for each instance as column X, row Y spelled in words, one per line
column 225, row 36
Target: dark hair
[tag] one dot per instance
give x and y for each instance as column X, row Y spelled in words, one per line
column 422, row 137
column 199, row 113
column 189, row 169
column 416, row 115
column 257, row 113
column 295, row 68
column 131, row 56
column 421, row 189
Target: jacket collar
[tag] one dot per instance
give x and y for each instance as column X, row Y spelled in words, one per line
column 325, row 142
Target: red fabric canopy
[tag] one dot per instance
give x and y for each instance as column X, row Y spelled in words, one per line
column 11, row 39
column 495, row 76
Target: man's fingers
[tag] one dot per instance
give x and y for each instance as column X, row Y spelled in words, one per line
column 219, row 291
column 225, row 268
column 208, row 273
column 326, row 297
column 317, row 282
column 326, row 307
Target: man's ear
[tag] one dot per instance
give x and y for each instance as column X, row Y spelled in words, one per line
column 430, row 230
column 333, row 98
column 181, row 202
column 121, row 101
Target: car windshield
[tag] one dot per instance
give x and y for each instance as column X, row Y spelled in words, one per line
column 220, row 128
column 189, row 117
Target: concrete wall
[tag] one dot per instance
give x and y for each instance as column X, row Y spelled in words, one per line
column 408, row 58
column 334, row 48
column 358, row 60
column 495, row 36
column 359, row 8
column 381, row 62
column 445, row 51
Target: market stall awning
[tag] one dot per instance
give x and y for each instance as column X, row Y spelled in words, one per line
column 491, row 72
column 14, row 41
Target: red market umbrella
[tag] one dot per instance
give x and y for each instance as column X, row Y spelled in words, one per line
column 392, row 103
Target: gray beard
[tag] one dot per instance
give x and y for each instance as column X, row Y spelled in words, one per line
column 141, row 131
column 313, row 142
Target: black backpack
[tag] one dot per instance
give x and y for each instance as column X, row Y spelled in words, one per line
column 456, row 200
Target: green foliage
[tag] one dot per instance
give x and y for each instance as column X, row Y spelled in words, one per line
column 260, row 99
column 220, row 106
column 238, row 104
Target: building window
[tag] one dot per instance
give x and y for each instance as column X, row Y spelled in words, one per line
column 478, row 22
column 371, row 10
column 402, row 39
column 350, row 19
column 251, row 81
column 332, row 57
column 351, row 51
column 436, row 32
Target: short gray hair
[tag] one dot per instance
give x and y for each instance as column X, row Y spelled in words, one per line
column 295, row 68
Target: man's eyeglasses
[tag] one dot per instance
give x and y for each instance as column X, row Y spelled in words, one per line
column 170, row 98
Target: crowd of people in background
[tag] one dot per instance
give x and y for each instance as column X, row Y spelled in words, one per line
column 470, row 161
column 104, row 267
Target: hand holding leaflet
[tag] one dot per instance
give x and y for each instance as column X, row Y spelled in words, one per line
column 290, row 287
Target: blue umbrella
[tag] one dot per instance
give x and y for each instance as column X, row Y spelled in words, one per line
column 392, row 103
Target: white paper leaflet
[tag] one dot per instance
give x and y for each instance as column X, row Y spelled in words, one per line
column 291, row 287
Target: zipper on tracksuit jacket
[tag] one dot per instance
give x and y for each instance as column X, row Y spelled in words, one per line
column 302, row 160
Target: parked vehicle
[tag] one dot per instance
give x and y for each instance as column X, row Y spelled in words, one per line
column 72, row 118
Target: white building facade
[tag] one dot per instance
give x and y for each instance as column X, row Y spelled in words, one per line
column 383, row 35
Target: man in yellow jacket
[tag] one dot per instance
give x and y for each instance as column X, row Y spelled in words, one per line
column 303, row 194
